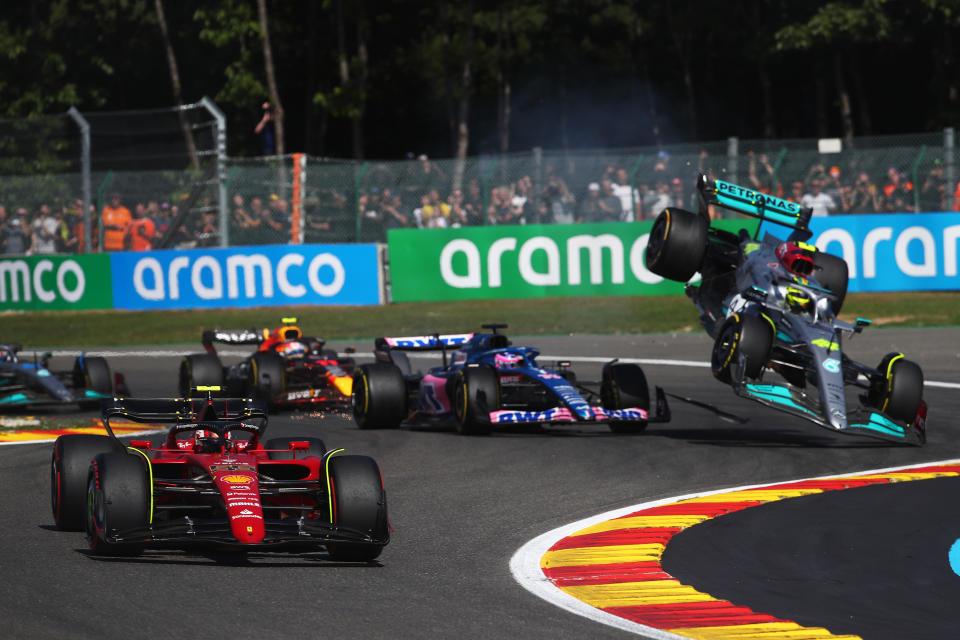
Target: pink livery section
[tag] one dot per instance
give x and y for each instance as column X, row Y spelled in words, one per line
column 433, row 395
column 562, row 414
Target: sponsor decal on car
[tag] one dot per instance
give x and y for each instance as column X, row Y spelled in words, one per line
column 557, row 414
column 300, row 395
column 238, row 479
column 832, row 365
column 633, row 413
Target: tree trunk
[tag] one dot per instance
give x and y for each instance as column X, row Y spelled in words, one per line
column 846, row 116
column 271, row 75
column 503, row 89
column 310, row 126
column 860, row 98
column 766, row 96
column 820, row 100
column 448, row 77
column 463, row 127
column 175, row 81
column 362, row 56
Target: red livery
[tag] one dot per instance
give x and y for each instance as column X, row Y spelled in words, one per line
column 213, row 482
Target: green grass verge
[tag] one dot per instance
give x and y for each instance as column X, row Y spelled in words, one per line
column 546, row 316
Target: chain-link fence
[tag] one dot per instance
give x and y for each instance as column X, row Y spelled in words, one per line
column 201, row 198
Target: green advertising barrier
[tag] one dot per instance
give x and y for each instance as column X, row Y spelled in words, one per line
column 532, row 261
column 55, row 283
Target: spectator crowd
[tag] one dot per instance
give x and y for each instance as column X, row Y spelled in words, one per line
column 422, row 198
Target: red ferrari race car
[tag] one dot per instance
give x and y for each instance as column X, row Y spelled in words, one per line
column 287, row 369
column 213, row 483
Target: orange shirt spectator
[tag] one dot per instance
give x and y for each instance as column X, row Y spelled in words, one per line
column 115, row 218
column 140, row 234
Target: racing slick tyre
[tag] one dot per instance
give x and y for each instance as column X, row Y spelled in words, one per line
column 899, row 391
column 357, row 502
column 677, row 245
column 624, row 386
column 750, row 335
column 317, row 448
column 476, row 392
column 833, row 274
column 93, row 373
column 68, row 477
column 379, row 396
column 118, row 498
column 199, row 370
column 267, row 376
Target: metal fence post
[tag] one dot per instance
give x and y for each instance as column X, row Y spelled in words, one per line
column 733, row 150
column 85, row 173
column 221, row 120
column 537, row 180
column 914, row 170
column 358, row 179
column 950, row 169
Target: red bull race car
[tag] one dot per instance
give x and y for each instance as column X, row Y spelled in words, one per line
column 287, row 369
column 214, row 483
column 486, row 382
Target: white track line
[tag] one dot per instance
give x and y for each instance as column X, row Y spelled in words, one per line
column 525, row 563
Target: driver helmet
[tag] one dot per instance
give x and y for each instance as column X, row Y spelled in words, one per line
column 206, row 441
column 507, row 360
column 6, row 355
column 796, row 257
column 293, row 349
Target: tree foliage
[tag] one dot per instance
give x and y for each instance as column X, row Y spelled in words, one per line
column 581, row 73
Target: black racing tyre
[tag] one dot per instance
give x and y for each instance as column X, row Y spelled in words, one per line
column 199, row 370
column 379, row 396
column 317, row 448
column 267, row 379
column 677, row 245
column 624, row 386
column 832, row 273
column 476, row 392
column 118, row 498
column 898, row 391
column 93, row 373
column 358, row 502
column 750, row 335
column 69, row 466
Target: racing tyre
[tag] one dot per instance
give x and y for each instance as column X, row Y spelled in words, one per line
column 118, row 499
column 677, row 245
column 93, row 373
column 476, row 392
column 379, row 396
column 267, row 376
column 750, row 335
column 624, row 386
column 358, row 502
column 899, row 392
column 317, row 448
column 833, row 274
column 199, row 370
column 68, row 477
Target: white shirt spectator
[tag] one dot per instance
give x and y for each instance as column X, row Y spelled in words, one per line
column 627, row 197
column 821, row 203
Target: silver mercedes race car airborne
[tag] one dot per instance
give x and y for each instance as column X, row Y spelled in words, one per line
column 771, row 306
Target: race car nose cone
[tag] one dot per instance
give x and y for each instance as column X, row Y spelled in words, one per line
column 344, row 385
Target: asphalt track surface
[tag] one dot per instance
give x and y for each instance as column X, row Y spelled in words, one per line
column 460, row 508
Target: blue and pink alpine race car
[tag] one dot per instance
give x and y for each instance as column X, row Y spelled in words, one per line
column 485, row 382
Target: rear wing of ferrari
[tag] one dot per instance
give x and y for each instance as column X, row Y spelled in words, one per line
column 753, row 203
column 436, row 342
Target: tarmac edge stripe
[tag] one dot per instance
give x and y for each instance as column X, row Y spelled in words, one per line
column 527, row 563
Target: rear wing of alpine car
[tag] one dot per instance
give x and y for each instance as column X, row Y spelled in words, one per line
column 753, row 203
column 436, row 342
